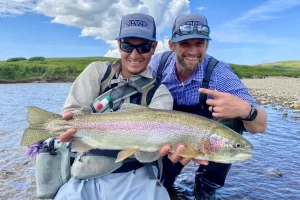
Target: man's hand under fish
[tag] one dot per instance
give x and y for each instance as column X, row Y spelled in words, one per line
column 174, row 157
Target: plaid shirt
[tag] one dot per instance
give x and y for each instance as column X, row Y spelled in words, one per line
column 222, row 79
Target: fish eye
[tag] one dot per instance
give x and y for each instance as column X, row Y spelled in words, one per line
column 238, row 145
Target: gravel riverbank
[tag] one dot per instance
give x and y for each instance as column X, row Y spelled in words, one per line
column 280, row 92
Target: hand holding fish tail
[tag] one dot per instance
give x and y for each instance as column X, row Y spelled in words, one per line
column 175, row 157
column 68, row 134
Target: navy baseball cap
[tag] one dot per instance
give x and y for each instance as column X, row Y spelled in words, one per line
column 184, row 25
column 137, row 25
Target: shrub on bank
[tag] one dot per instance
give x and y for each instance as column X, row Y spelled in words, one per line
column 7, row 72
column 37, row 58
column 15, row 59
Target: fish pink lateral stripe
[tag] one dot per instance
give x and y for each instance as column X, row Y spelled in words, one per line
column 127, row 126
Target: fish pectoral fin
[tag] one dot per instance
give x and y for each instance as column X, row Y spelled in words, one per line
column 79, row 146
column 190, row 152
column 147, row 157
column 201, row 156
column 126, row 153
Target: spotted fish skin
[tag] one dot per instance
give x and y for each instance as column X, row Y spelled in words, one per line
column 137, row 128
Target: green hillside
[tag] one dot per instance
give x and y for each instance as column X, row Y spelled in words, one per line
column 67, row 69
column 50, row 69
column 287, row 64
column 282, row 68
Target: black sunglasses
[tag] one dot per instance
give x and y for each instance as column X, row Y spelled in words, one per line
column 189, row 29
column 140, row 48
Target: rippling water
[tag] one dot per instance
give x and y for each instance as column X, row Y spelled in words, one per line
column 273, row 173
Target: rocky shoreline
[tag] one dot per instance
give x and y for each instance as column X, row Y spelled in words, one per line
column 279, row 92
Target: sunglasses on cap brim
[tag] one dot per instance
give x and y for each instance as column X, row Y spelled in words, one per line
column 190, row 29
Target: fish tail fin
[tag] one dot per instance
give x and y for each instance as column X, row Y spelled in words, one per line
column 34, row 135
column 36, row 132
column 37, row 116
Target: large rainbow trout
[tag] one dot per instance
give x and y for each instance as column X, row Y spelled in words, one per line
column 142, row 131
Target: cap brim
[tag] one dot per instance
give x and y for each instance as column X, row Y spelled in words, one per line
column 190, row 36
column 135, row 36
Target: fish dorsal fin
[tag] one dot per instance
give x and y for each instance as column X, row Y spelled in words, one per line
column 131, row 106
column 39, row 116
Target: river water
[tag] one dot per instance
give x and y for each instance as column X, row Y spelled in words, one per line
column 273, row 172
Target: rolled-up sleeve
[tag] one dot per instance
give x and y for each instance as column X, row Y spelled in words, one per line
column 162, row 99
column 85, row 88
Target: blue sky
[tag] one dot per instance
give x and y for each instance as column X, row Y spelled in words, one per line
column 242, row 32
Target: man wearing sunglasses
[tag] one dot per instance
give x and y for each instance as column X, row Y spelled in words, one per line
column 204, row 86
column 137, row 43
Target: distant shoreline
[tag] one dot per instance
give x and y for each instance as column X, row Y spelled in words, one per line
column 71, row 79
column 37, row 80
column 53, row 70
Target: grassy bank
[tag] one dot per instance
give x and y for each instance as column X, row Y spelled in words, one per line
column 48, row 70
column 67, row 69
column 260, row 71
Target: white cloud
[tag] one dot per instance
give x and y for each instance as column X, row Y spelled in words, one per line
column 114, row 53
column 100, row 18
column 163, row 45
column 252, row 55
column 15, row 7
column 239, row 30
column 201, row 8
column 265, row 11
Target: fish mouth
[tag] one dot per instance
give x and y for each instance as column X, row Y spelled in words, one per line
column 227, row 160
column 242, row 156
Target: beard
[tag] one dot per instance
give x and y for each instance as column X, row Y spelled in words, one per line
column 188, row 68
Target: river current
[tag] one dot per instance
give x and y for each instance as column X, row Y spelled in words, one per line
column 273, row 172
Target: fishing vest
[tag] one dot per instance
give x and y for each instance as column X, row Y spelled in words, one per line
column 140, row 90
column 201, row 108
column 56, row 163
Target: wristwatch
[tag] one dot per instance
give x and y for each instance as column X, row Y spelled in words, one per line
column 252, row 115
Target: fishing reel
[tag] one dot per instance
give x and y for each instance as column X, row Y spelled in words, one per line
column 51, row 146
